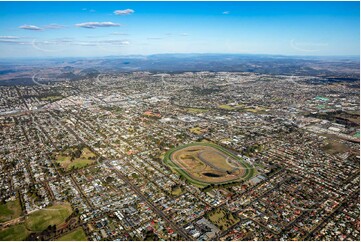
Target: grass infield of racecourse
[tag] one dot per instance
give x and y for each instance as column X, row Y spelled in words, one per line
column 248, row 170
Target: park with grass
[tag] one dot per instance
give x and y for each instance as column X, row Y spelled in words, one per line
column 197, row 130
column 76, row 235
column 176, row 190
column 226, row 107
column 37, row 221
column 10, row 210
column 75, row 158
column 222, row 219
column 197, row 110
column 15, row 233
column 54, row 215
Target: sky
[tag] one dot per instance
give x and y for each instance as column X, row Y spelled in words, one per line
column 92, row 29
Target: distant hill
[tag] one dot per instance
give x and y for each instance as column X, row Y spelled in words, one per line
column 18, row 71
column 267, row 64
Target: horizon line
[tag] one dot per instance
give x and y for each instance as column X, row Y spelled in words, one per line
column 176, row 53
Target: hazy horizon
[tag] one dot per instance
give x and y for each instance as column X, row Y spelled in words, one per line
column 102, row 29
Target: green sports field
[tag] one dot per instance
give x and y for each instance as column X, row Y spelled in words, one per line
column 76, row 235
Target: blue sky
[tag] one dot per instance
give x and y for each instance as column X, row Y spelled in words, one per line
column 50, row 29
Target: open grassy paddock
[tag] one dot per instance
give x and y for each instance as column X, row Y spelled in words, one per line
column 207, row 163
column 10, row 210
column 76, row 235
column 54, row 215
column 16, row 232
column 37, row 222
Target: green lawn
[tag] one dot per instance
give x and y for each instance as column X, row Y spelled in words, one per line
column 226, row 107
column 10, row 210
column 54, row 215
column 36, row 222
column 15, row 232
column 80, row 163
column 64, row 159
column 197, row 110
column 222, row 219
column 176, row 191
column 76, row 235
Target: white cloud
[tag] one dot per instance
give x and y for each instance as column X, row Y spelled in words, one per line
column 307, row 46
column 124, row 12
column 58, row 45
column 54, row 26
column 36, row 28
column 88, row 10
column 11, row 41
column 9, row 37
column 115, row 42
column 93, row 25
column 226, row 12
column 30, row 27
column 119, row 33
column 155, row 38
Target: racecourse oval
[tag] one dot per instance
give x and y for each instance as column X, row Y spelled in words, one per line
column 207, row 163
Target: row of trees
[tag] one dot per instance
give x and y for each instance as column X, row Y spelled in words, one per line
column 215, row 186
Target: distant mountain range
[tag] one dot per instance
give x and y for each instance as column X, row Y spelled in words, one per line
column 75, row 68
